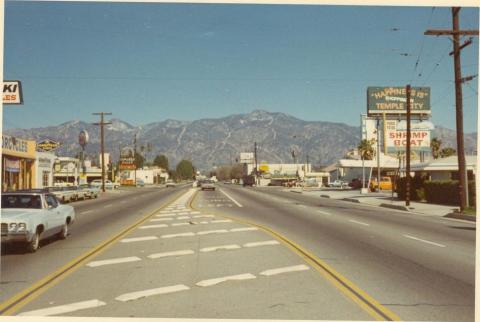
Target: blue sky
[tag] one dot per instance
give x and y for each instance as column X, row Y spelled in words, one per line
column 151, row 62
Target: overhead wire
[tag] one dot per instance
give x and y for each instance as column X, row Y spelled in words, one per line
column 421, row 46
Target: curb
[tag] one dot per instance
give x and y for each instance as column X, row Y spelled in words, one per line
column 325, row 196
column 296, row 191
column 397, row 207
column 460, row 216
column 351, row 200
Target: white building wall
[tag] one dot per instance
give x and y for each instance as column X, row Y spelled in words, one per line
column 44, row 166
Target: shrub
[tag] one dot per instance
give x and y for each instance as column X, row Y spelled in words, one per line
column 416, row 188
column 446, row 192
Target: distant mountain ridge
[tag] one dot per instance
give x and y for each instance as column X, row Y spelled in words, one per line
column 210, row 142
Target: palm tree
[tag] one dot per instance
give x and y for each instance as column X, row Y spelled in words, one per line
column 365, row 149
column 435, row 145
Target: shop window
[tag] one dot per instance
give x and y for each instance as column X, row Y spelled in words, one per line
column 45, row 178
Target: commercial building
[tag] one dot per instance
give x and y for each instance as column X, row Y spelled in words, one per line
column 44, row 168
column 279, row 173
column 152, row 175
column 18, row 163
column 446, row 168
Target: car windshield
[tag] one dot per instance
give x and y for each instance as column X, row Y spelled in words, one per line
column 21, row 201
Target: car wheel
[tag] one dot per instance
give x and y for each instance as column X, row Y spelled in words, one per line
column 34, row 244
column 64, row 232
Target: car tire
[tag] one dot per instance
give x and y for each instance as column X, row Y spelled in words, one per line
column 64, row 232
column 34, row 244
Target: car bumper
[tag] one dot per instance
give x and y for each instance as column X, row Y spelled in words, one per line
column 16, row 238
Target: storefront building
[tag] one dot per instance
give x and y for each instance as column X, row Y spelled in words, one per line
column 44, row 169
column 18, row 163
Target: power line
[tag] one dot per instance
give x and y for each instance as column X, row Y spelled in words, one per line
column 421, row 46
column 437, row 64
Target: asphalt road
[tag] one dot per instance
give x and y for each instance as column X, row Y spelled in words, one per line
column 208, row 256
column 420, row 267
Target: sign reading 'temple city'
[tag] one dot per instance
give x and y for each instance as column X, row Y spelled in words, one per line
column 12, row 92
column 393, row 100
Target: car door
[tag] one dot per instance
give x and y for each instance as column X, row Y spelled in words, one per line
column 55, row 217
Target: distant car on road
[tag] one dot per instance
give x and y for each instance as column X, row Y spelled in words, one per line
column 140, row 183
column 338, row 184
column 170, row 184
column 63, row 194
column 108, row 184
column 30, row 216
column 207, row 185
column 90, row 191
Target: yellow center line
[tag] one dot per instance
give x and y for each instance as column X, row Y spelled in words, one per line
column 347, row 287
column 16, row 302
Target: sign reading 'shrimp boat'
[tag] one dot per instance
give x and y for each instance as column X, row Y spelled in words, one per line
column 393, row 100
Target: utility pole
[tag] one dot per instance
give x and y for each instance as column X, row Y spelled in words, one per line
column 407, row 186
column 102, row 147
column 135, row 157
column 378, row 155
column 455, row 33
column 256, row 163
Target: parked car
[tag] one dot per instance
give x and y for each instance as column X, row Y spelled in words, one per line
column 30, row 216
column 77, row 193
column 385, row 183
column 338, row 184
column 355, row 184
column 170, row 184
column 61, row 193
column 90, row 191
column 108, row 184
column 207, row 185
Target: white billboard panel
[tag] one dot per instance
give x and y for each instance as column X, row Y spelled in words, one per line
column 396, row 138
column 247, row 157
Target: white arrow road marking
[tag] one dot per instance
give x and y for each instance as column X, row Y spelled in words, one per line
column 178, row 235
column 113, row 261
column 129, row 240
column 212, row 249
column 262, row 243
column 155, row 291
column 153, row 226
column 424, row 241
column 243, row 229
column 281, row 270
column 215, row 281
column 169, row 254
column 65, row 308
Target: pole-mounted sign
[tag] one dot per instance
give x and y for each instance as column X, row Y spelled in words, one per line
column 83, row 138
column 12, row 92
column 47, row 145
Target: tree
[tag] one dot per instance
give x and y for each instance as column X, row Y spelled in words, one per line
column 184, row 170
column 139, row 160
column 365, row 149
column 435, row 145
column 446, row 152
column 237, row 171
column 224, row 173
column 161, row 161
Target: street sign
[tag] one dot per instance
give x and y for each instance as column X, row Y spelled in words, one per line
column 393, row 100
column 83, row 138
column 12, row 92
column 47, row 145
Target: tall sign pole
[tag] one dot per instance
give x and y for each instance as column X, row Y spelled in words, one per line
column 102, row 148
column 256, row 163
column 407, row 186
column 378, row 155
column 456, row 33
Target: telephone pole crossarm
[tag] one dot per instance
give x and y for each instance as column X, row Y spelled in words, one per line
column 440, row 32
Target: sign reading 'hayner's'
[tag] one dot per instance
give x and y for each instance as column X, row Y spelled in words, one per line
column 393, row 100
column 12, row 92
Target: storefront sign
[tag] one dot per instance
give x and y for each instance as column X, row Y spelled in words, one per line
column 397, row 140
column 47, row 145
column 393, row 100
column 12, row 92
column 18, row 147
column 44, row 163
column 127, row 159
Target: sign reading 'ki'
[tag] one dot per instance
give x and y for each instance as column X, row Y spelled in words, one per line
column 12, row 92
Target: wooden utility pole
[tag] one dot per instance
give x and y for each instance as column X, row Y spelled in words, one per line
column 102, row 147
column 407, row 170
column 456, row 33
column 256, row 163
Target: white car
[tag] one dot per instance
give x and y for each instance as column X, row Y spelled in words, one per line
column 30, row 216
column 108, row 184
column 338, row 184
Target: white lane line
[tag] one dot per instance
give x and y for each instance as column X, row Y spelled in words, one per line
column 275, row 271
column 178, row 235
column 207, row 232
column 324, row 213
column 302, row 206
column 107, row 206
column 162, row 219
column 113, row 261
column 243, row 229
column 183, row 217
column 130, row 240
column 169, row 254
column 180, row 224
column 65, row 308
column 220, row 221
column 194, row 212
column 423, row 240
column 262, row 243
column 153, row 226
column 86, row 212
column 226, row 247
column 155, row 291
column 359, row 222
column 215, row 281
column 204, row 216
column 229, row 197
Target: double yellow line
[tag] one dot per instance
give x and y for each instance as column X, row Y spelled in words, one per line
column 360, row 297
column 12, row 305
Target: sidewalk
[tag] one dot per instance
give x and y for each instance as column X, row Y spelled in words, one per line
column 380, row 199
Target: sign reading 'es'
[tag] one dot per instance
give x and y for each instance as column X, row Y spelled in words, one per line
column 47, row 145
column 12, row 92
column 393, row 100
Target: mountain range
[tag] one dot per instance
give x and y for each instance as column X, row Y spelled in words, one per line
column 210, row 142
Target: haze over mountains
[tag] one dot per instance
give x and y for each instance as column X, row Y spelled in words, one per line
column 209, row 142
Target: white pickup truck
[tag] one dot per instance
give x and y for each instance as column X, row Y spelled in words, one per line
column 30, row 216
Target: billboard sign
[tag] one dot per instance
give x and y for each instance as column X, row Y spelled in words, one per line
column 127, row 159
column 12, row 92
column 393, row 100
column 396, row 139
column 247, row 157
column 47, row 145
